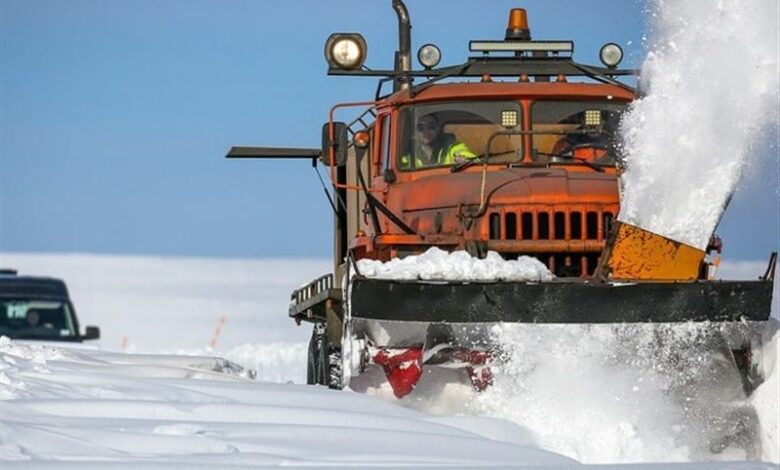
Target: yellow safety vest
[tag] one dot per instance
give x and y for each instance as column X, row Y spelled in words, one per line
column 444, row 156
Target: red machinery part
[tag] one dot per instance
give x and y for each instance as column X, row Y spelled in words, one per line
column 481, row 377
column 403, row 368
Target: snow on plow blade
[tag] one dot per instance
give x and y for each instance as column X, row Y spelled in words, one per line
column 560, row 301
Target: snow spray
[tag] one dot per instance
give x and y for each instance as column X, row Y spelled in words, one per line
column 710, row 93
column 622, row 393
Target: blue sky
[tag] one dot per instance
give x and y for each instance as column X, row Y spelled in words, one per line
column 116, row 115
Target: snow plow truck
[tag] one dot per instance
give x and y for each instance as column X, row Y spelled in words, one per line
column 514, row 151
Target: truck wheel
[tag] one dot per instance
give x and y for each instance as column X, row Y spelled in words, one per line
column 334, row 369
column 317, row 366
column 324, row 362
column 311, row 363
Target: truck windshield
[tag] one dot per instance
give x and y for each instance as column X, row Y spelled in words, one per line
column 36, row 319
column 576, row 130
column 443, row 134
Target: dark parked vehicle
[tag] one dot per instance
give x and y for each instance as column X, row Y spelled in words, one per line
column 38, row 308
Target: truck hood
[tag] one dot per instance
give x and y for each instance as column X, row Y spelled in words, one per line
column 507, row 186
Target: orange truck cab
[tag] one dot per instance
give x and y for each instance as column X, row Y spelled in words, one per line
column 546, row 186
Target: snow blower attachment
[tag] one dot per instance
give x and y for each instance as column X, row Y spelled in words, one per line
column 404, row 325
column 511, row 161
column 637, row 254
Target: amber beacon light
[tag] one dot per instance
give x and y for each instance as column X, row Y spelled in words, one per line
column 518, row 25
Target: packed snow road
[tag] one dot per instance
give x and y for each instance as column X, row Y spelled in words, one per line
column 84, row 408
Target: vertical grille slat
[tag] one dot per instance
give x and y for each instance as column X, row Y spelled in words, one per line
column 575, row 221
column 559, row 225
column 527, row 225
column 543, row 222
column 592, row 225
column 510, row 225
column 495, row 227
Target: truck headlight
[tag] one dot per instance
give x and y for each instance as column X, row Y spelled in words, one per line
column 611, row 54
column 345, row 51
column 429, row 56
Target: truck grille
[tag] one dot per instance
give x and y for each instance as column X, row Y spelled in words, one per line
column 543, row 225
column 568, row 242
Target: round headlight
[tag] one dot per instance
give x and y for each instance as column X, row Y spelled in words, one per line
column 611, row 54
column 345, row 51
column 429, row 56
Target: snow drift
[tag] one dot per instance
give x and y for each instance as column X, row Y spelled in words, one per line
column 85, row 408
column 73, row 408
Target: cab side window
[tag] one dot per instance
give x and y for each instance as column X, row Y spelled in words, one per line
column 385, row 142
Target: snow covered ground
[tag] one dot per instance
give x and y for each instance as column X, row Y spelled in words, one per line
column 78, row 408
column 99, row 406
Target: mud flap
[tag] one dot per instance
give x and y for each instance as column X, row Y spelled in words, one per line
column 560, row 301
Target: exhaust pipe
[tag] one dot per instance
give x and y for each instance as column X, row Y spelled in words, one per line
column 403, row 56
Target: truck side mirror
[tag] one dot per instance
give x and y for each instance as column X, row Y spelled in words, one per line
column 92, row 332
column 339, row 143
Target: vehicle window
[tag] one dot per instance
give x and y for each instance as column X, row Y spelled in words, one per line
column 576, row 130
column 442, row 134
column 385, row 152
column 36, row 319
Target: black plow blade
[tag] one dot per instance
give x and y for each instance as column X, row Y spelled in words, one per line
column 560, row 301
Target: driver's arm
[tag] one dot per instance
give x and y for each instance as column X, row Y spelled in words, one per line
column 458, row 152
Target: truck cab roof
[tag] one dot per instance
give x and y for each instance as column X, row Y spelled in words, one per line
column 503, row 89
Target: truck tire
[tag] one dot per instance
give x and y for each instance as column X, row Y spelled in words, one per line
column 324, row 362
column 318, row 361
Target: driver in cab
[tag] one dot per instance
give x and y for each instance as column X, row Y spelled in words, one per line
column 591, row 144
column 434, row 147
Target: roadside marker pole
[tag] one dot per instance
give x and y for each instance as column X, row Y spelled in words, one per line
column 217, row 331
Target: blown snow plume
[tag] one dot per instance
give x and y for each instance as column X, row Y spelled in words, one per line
column 653, row 392
column 710, row 84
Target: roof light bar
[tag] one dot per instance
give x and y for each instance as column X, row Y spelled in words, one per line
column 521, row 46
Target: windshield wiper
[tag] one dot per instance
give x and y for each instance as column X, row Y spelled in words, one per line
column 584, row 161
column 477, row 160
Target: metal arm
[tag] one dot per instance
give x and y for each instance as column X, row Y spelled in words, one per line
column 274, row 152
